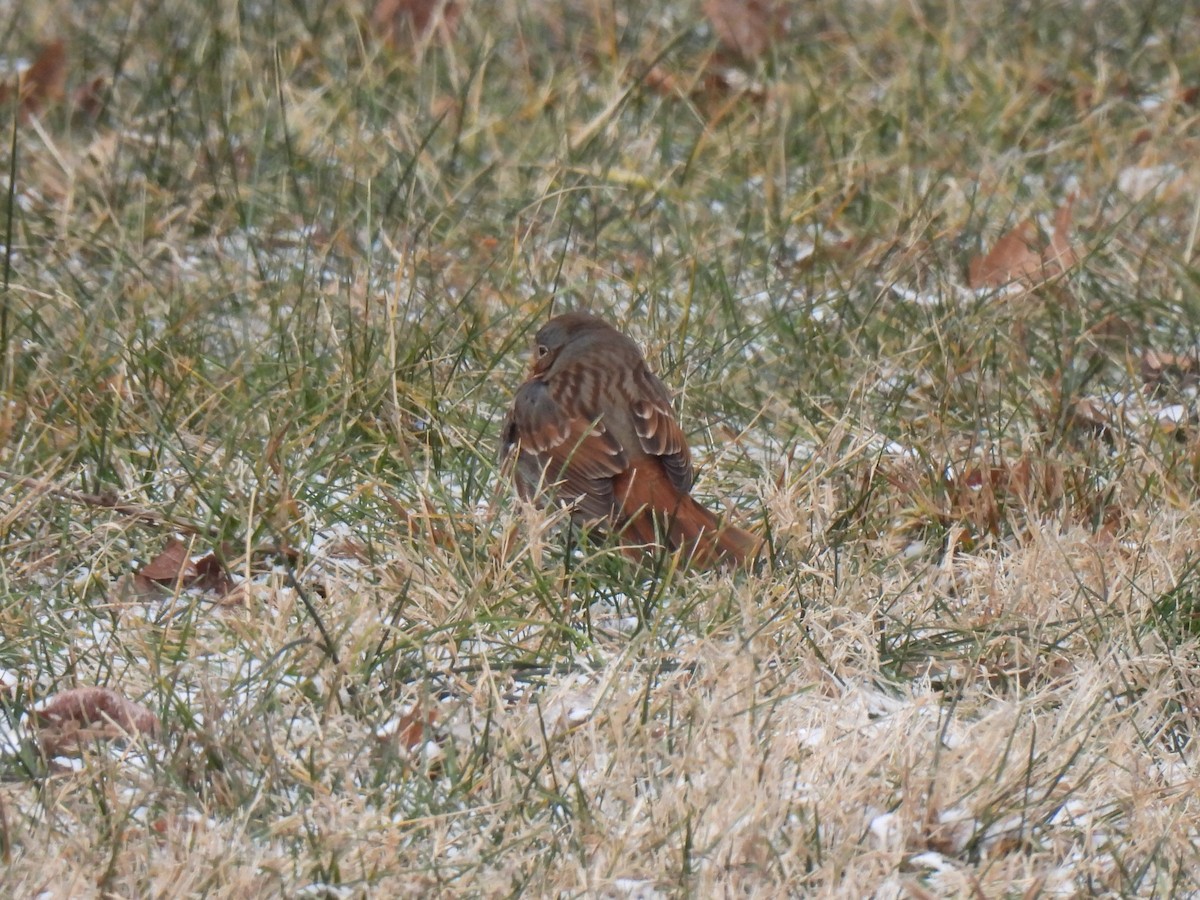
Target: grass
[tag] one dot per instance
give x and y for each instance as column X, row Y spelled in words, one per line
column 276, row 294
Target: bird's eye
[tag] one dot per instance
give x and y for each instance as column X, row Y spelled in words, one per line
column 542, row 350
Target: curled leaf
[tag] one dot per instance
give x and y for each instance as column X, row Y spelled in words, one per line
column 1169, row 369
column 412, row 730
column 1020, row 256
column 746, row 28
column 405, row 22
column 174, row 566
column 42, row 83
column 79, row 716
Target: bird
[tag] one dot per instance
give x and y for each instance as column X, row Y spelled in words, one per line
column 592, row 428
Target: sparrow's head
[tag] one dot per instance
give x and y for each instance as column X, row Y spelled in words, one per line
column 562, row 331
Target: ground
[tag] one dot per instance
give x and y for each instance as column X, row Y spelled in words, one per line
column 923, row 281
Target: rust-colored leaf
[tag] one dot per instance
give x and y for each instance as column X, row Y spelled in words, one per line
column 405, row 22
column 413, row 727
column 42, row 83
column 211, row 575
column 661, row 81
column 170, row 565
column 87, row 101
column 746, row 27
column 46, row 79
column 1020, row 256
column 1060, row 255
column 1014, row 257
column 173, row 566
column 412, row 730
column 79, row 716
column 722, row 81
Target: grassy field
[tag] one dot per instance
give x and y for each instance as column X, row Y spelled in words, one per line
column 269, row 280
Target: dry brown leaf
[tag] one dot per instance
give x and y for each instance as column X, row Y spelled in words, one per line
column 715, row 83
column 987, row 497
column 414, row 729
column 746, row 27
column 42, row 83
column 414, row 726
column 1019, row 256
column 1014, row 257
column 1162, row 369
column 720, row 81
column 660, row 81
column 87, row 101
column 1060, row 255
column 169, row 565
column 175, row 566
column 404, row 22
column 211, row 575
column 1090, row 415
column 79, row 716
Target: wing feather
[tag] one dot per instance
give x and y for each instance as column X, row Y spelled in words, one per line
column 574, row 457
column 657, row 430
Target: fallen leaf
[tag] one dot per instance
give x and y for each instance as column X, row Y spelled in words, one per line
column 714, row 83
column 1161, row 369
column 45, row 80
column 405, row 22
column 1019, row 256
column 211, row 575
column 174, row 566
column 411, row 730
column 1060, row 254
column 1091, row 416
column 87, row 101
column 169, row 565
column 1013, row 257
column 42, row 83
column 660, row 81
column 722, row 81
column 78, row 716
column 746, row 27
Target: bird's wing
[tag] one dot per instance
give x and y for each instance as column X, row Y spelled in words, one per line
column 563, row 448
column 659, row 433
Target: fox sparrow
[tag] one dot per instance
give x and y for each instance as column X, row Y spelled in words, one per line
column 593, row 427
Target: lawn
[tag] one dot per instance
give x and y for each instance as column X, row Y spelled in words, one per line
column 925, row 284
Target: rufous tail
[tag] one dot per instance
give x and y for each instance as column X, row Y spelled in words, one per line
column 654, row 508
